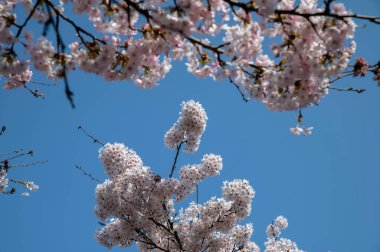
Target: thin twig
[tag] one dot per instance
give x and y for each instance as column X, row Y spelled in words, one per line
column 17, row 156
column 28, row 164
column 22, row 26
column 77, row 28
column 87, row 174
column 90, row 136
column 175, row 159
column 238, row 88
column 357, row 90
column 341, row 76
column 10, row 152
column 34, row 92
column 61, row 51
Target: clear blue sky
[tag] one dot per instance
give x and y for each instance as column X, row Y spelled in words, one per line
column 327, row 185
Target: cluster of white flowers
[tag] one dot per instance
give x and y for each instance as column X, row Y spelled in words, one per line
column 138, row 206
column 281, row 222
column 6, row 12
column 17, row 74
column 312, row 51
column 3, row 180
column 297, row 131
column 139, row 39
column 274, row 243
column 117, row 158
column 189, row 127
column 31, row 186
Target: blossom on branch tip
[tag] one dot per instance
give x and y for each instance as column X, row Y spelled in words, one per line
column 296, row 131
column 360, row 67
column 117, row 158
column 3, row 180
column 189, row 127
column 281, row 222
column 138, row 40
column 308, row 131
column 138, row 206
column 31, row 186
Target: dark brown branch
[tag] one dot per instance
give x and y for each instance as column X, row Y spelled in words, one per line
column 17, row 156
column 27, row 164
column 169, row 230
column 10, row 152
column 341, row 77
column 248, row 7
column 34, row 92
column 357, row 90
column 175, row 159
column 194, row 41
column 96, row 141
column 87, row 174
column 77, row 28
column 149, row 241
column 61, row 51
column 22, row 26
column 240, row 91
column 294, row 12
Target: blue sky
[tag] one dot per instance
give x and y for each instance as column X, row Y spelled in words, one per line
column 327, row 185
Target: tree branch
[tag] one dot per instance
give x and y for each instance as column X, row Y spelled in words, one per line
column 87, row 174
column 357, row 90
column 175, row 159
column 96, row 141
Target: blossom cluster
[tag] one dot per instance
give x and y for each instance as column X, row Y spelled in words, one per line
column 189, row 127
column 274, row 243
column 6, row 166
column 137, row 205
column 140, row 205
column 31, row 186
column 138, row 40
column 4, row 183
column 3, row 180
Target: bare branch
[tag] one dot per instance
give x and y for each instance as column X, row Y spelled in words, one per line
column 22, row 26
column 10, row 152
column 96, row 141
column 87, row 174
column 357, row 90
column 240, row 91
column 175, row 159
column 28, row 164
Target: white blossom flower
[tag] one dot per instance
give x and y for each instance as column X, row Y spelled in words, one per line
column 189, row 127
column 273, row 231
column 308, row 131
column 296, row 131
column 281, row 222
column 31, row 186
column 25, row 194
column 136, row 204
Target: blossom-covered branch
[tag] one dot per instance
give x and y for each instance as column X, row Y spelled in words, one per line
column 6, row 165
column 221, row 39
column 136, row 205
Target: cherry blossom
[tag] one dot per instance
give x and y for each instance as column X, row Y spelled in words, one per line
column 284, row 54
column 7, row 165
column 189, row 127
column 138, row 206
